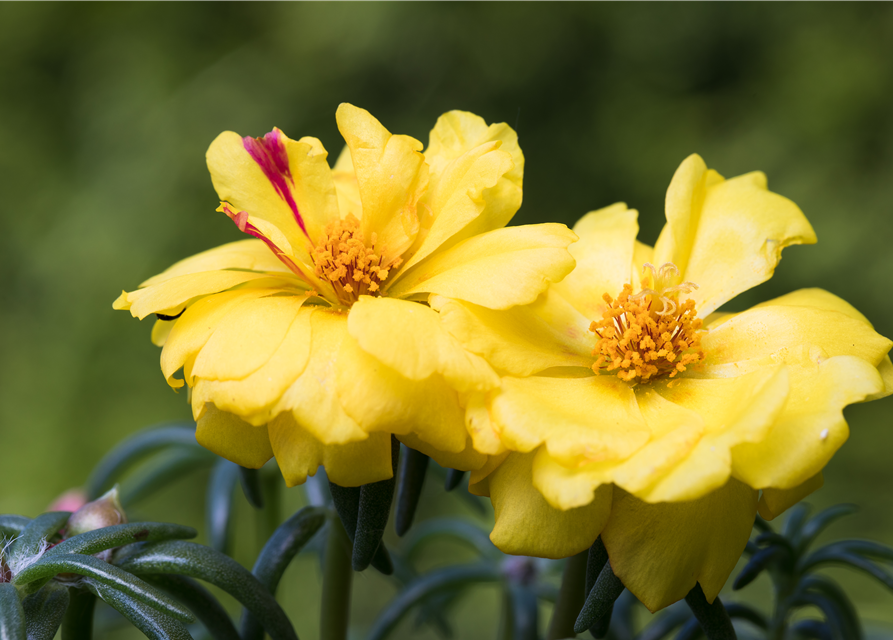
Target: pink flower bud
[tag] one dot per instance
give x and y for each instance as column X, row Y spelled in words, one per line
column 71, row 500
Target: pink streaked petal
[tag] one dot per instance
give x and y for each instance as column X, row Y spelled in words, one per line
column 271, row 156
column 241, row 220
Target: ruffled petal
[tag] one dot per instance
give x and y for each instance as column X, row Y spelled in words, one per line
column 352, row 464
column 475, row 185
column 285, row 183
column 604, row 256
column 774, row 502
column 391, row 176
column 380, row 399
column 459, row 131
column 591, row 419
column 246, row 255
column 193, row 329
column 172, row 296
column 498, row 269
column 313, row 398
column 527, row 525
column 734, row 411
column 232, row 438
column 485, row 435
column 811, row 428
column 791, row 331
column 522, row 340
column 660, row 551
column 726, row 235
column 256, row 397
column 408, row 337
column 247, row 338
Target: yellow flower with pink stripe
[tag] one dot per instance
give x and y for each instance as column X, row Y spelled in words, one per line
column 313, row 341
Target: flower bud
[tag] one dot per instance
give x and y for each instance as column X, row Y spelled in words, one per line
column 102, row 512
column 71, row 500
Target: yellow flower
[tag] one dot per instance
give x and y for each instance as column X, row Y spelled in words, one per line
column 633, row 410
column 313, row 341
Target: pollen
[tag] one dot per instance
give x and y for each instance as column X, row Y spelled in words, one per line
column 344, row 260
column 650, row 334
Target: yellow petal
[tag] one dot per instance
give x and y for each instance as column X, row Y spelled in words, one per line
column 659, row 551
column 285, row 183
column 233, row 439
column 774, row 502
column 193, row 329
column 161, row 330
column 313, row 398
column 675, row 431
column 461, row 131
column 522, row 340
column 726, row 235
column 775, row 332
column 588, row 419
column 484, row 432
column 247, row 338
column 604, row 256
column 391, row 176
column 346, row 186
column 249, row 255
column 299, row 455
column 466, row 460
column 811, row 428
column 380, row 399
column 885, row 369
column 527, row 525
column 171, row 296
column 734, row 411
column 256, row 397
column 408, row 337
column 479, row 480
column 475, row 183
column 498, row 269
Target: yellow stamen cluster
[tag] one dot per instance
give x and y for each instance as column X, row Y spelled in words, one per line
column 345, row 261
column 650, row 334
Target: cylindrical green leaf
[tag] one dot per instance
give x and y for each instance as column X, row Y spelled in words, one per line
column 283, row 545
column 372, row 517
column 219, row 503
column 92, row 542
column 453, row 479
column 12, row 617
column 712, row 616
column 448, row 578
column 134, row 449
column 595, row 562
column 200, row 601
column 599, row 603
column 820, row 522
column 437, row 528
column 251, row 487
column 411, row 475
column 37, row 532
column 45, row 610
column 154, row 624
column 104, row 573
column 11, row 526
column 174, row 464
column 197, row 561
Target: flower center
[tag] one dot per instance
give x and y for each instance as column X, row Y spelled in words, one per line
column 649, row 335
column 344, row 261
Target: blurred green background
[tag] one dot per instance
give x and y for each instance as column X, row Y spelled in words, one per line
column 106, row 112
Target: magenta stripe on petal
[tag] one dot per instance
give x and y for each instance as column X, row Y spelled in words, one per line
column 270, row 155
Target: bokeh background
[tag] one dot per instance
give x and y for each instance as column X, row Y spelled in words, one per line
column 106, row 112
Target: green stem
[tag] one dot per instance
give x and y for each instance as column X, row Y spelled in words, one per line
column 336, row 581
column 78, row 621
column 570, row 598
